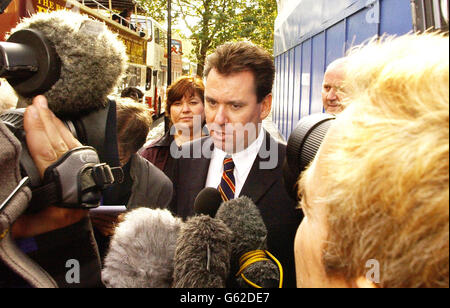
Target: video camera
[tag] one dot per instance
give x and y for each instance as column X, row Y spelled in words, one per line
column 35, row 61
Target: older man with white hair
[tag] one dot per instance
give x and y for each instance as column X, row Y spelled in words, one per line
column 332, row 86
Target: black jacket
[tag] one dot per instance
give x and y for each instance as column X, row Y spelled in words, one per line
column 264, row 186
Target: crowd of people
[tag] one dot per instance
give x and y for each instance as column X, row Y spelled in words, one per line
column 376, row 193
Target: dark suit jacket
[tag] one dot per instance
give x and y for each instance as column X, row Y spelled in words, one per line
column 264, row 186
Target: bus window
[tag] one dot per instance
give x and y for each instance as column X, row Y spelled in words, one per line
column 157, row 35
column 148, row 81
column 148, row 24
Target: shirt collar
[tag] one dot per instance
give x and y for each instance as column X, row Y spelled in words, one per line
column 244, row 159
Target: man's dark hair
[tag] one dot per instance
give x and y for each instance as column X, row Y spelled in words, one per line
column 132, row 92
column 237, row 57
column 133, row 124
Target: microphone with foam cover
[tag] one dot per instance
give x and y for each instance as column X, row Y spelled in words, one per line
column 142, row 250
column 73, row 60
column 249, row 237
column 202, row 257
column 207, row 202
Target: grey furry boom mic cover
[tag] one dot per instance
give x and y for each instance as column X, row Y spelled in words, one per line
column 93, row 60
column 202, row 257
column 249, row 233
column 142, row 250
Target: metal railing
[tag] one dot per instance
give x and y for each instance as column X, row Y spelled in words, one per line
column 120, row 20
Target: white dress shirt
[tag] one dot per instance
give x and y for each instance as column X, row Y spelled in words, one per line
column 243, row 162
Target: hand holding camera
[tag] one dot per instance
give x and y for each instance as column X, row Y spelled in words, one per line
column 47, row 139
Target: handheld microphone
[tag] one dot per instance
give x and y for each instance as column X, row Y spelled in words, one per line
column 250, row 260
column 207, row 202
column 202, row 256
column 142, row 250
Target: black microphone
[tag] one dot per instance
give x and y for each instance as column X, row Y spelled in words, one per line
column 252, row 264
column 142, row 250
column 207, row 202
column 202, row 256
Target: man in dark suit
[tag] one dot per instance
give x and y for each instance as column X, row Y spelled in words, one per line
column 239, row 157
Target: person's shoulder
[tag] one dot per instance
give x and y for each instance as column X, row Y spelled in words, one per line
column 199, row 141
column 197, row 148
column 152, row 149
column 140, row 163
column 163, row 141
column 272, row 147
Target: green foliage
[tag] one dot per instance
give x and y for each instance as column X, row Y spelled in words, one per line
column 156, row 9
column 214, row 22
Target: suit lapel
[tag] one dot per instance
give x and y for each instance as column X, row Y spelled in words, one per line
column 197, row 171
column 260, row 179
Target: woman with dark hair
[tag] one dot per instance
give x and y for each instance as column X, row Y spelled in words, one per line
column 185, row 111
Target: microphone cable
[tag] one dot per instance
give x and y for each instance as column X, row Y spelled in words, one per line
column 257, row 256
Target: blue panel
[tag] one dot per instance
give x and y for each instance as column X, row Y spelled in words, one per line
column 280, row 102
column 276, row 91
column 292, row 69
column 286, row 92
column 399, row 23
column 362, row 25
column 318, row 68
column 285, row 89
column 297, row 85
column 335, row 42
column 310, row 17
column 306, row 78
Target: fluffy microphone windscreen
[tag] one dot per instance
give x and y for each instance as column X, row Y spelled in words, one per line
column 249, row 234
column 202, row 257
column 93, row 60
column 243, row 219
column 207, row 202
column 142, row 250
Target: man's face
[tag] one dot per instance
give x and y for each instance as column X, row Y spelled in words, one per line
column 331, row 96
column 232, row 112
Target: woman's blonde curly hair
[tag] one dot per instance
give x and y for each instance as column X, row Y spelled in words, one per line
column 388, row 174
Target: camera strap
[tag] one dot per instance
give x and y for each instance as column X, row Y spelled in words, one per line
column 76, row 180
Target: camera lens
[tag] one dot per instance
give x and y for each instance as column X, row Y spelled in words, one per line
column 302, row 147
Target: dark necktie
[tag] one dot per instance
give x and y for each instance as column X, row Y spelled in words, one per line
column 227, row 184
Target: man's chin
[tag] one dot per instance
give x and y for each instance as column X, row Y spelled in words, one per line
column 334, row 109
column 224, row 146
